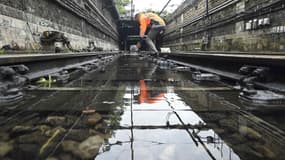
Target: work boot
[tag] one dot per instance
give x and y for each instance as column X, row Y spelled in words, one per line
column 157, row 54
column 152, row 53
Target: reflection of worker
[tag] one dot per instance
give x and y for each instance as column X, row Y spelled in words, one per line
column 145, row 95
column 156, row 25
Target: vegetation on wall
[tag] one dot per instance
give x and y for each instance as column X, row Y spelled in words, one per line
column 121, row 6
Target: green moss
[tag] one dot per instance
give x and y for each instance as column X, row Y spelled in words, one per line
column 2, row 51
column 238, row 44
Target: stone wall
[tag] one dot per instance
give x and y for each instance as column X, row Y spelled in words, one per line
column 227, row 25
column 24, row 21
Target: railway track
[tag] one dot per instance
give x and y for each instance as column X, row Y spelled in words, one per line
column 109, row 102
column 109, row 107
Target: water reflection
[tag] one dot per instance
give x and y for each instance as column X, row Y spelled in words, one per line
column 146, row 96
column 135, row 110
column 166, row 128
column 249, row 136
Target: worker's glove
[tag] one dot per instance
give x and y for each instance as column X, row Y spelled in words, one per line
column 143, row 39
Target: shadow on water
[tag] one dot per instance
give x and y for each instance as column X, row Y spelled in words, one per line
column 136, row 110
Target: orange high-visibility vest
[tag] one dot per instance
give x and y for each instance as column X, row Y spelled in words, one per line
column 144, row 95
column 147, row 20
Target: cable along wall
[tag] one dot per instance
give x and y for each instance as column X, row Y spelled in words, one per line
column 227, row 25
column 81, row 21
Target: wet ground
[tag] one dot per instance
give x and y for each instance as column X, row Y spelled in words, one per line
column 136, row 110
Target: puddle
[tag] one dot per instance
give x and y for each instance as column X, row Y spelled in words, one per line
column 136, row 110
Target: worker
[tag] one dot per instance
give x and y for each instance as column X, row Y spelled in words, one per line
column 145, row 94
column 156, row 26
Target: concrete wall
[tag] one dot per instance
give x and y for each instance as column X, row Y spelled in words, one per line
column 227, row 25
column 24, row 21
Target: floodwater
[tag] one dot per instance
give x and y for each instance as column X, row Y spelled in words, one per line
column 138, row 110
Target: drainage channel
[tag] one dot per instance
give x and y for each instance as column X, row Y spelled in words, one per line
column 137, row 109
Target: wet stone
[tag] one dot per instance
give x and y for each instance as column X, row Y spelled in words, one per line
column 23, row 130
column 4, row 137
column 247, row 152
column 28, row 148
column 65, row 121
column 51, row 132
column 36, row 137
column 213, row 117
column 66, row 156
column 104, row 135
column 229, row 124
column 100, row 126
column 52, row 158
column 90, row 147
column 54, row 136
column 71, row 146
column 266, row 152
column 85, row 150
column 5, row 148
column 78, row 135
column 94, row 119
column 236, row 139
column 43, row 128
column 56, row 121
column 250, row 133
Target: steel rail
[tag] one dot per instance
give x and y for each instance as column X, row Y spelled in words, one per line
column 27, row 58
column 274, row 62
column 41, row 65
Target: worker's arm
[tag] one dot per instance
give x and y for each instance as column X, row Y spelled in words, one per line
column 143, row 27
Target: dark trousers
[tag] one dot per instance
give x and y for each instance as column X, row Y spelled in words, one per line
column 155, row 33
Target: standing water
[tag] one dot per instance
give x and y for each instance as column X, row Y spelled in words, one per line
column 137, row 110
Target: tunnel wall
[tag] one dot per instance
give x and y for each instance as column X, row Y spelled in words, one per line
column 23, row 22
column 227, row 25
